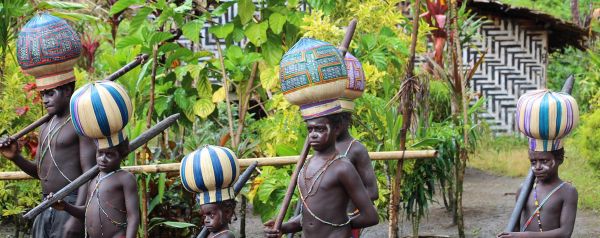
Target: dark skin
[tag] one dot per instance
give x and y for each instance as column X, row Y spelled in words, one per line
column 117, row 193
column 336, row 188
column 216, row 220
column 359, row 157
column 73, row 154
column 559, row 212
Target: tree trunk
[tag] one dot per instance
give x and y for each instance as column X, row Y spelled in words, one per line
column 575, row 17
column 243, row 206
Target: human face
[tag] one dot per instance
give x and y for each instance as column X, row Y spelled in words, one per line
column 543, row 164
column 56, row 101
column 108, row 159
column 320, row 133
column 214, row 217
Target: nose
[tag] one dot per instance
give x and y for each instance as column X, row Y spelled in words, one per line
column 537, row 165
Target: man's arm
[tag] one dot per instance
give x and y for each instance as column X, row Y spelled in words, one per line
column 132, row 204
column 291, row 226
column 87, row 160
column 10, row 149
column 347, row 175
column 365, row 170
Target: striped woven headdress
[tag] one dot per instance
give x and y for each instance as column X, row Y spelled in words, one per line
column 210, row 171
column 100, row 110
column 546, row 117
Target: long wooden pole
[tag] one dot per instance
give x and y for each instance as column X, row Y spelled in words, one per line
column 406, row 94
column 91, row 173
column 294, row 180
column 128, row 67
column 529, row 180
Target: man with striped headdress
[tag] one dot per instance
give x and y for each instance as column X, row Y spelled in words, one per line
column 47, row 49
column 545, row 117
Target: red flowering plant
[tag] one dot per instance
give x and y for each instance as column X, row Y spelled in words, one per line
column 436, row 18
column 89, row 44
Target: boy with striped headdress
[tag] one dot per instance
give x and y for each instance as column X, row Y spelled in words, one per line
column 48, row 48
column 546, row 117
column 211, row 171
column 101, row 110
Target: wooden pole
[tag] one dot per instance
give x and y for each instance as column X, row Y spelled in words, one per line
column 262, row 161
column 128, row 67
column 515, row 216
column 91, row 173
column 406, row 94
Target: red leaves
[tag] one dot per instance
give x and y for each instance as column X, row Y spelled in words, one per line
column 31, row 93
column 90, row 45
column 21, row 110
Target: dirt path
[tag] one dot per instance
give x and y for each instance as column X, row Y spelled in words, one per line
column 486, row 209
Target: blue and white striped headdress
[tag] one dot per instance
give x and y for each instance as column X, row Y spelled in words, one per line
column 210, row 171
column 100, row 110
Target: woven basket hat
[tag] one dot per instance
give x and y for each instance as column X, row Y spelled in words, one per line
column 546, row 117
column 355, row 86
column 313, row 75
column 47, row 49
column 100, row 110
column 211, row 172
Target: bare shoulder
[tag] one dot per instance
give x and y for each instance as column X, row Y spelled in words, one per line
column 569, row 191
column 358, row 153
column 126, row 177
column 228, row 234
column 344, row 167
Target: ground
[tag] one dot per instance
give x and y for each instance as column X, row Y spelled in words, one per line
column 488, row 202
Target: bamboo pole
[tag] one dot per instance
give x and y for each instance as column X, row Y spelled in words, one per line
column 262, row 161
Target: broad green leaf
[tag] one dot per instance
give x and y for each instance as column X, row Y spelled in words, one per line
column 257, row 33
column 178, row 53
column 219, row 95
column 60, row 5
column 238, row 34
column 181, row 99
column 186, row 6
column 120, row 6
column 203, row 107
column 139, row 19
column 179, row 225
column 285, row 150
column 276, row 22
column 292, row 4
column 221, row 9
column 76, row 17
column 246, row 10
column 269, row 76
column 272, row 52
column 204, row 87
column 191, row 30
column 221, row 31
column 158, row 37
column 251, row 58
column 194, row 70
column 167, row 47
column 128, row 41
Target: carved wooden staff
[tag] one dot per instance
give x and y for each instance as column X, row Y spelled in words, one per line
column 237, row 188
column 292, row 186
column 530, row 179
column 128, row 67
column 88, row 175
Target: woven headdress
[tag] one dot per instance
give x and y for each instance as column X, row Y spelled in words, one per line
column 210, row 171
column 355, row 86
column 546, row 117
column 48, row 48
column 100, row 110
column 313, row 75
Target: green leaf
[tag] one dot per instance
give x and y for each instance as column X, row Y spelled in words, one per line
column 234, row 52
column 139, row 19
column 203, row 107
column 257, row 33
column 285, row 150
column 178, row 225
column 120, row 6
column 238, row 34
column 186, row 6
column 276, row 22
column 128, row 41
column 204, row 87
column 181, row 99
column 60, row 5
column 268, row 76
column 191, row 30
column 251, row 58
column 158, row 37
column 73, row 16
column 272, row 52
column 221, row 31
column 179, row 53
column 221, row 9
column 246, row 10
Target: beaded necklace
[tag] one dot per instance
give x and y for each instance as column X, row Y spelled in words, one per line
column 96, row 193
column 540, row 205
column 47, row 147
column 537, row 206
column 220, row 233
column 317, row 174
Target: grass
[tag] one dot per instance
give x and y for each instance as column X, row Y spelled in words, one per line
column 507, row 156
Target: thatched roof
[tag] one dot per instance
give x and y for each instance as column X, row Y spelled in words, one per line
column 561, row 33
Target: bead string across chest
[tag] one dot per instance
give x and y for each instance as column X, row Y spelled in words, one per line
column 46, row 146
column 101, row 210
column 538, row 206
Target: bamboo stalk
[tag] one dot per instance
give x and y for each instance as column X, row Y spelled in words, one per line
column 262, row 161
